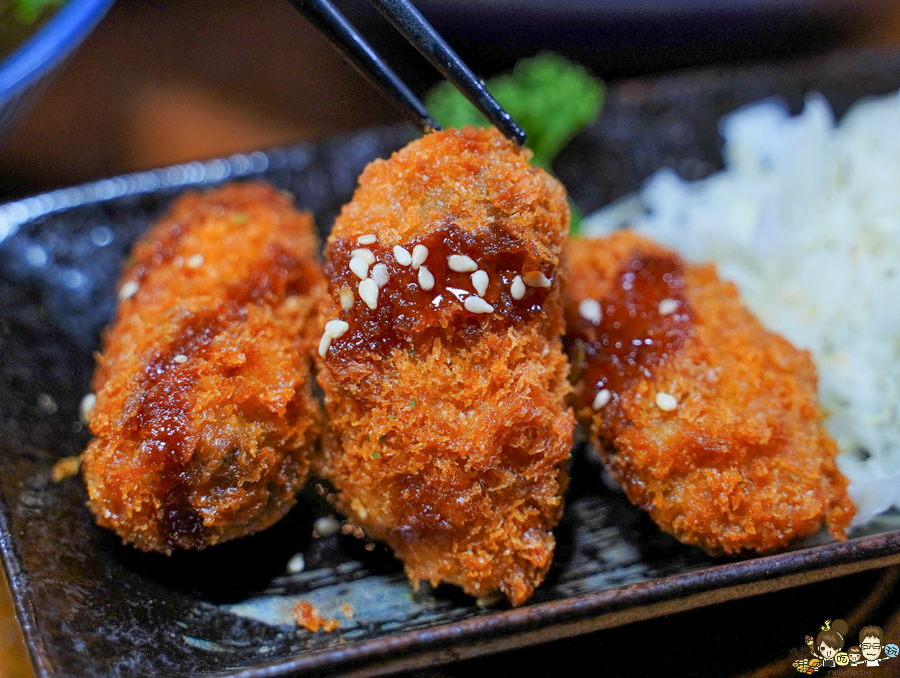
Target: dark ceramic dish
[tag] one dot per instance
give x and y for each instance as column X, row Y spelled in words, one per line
column 92, row 607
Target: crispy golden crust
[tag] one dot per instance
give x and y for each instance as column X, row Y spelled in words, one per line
column 469, row 178
column 743, row 462
column 205, row 419
column 451, row 434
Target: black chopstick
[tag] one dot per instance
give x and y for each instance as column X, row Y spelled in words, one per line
column 432, row 46
column 407, row 19
column 330, row 22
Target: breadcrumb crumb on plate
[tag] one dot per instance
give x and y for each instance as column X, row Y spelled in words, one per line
column 309, row 618
column 66, row 467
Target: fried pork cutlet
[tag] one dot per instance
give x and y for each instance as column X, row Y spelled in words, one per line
column 708, row 421
column 204, row 419
column 443, row 371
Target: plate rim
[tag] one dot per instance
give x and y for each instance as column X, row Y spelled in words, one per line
column 880, row 550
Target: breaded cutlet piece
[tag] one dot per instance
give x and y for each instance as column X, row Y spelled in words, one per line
column 205, row 419
column 706, row 419
column 443, row 371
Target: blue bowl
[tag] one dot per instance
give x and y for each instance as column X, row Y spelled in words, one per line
column 24, row 71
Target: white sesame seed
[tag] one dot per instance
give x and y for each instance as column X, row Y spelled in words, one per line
column 325, row 343
column 666, row 402
column 86, row 406
column 426, row 280
column 346, row 298
column 47, row 404
column 128, row 290
column 336, row 328
column 380, row 275
column 368, row 239
column 419, row 255
column 461, row 263
column 364, row 254
column 360, row 267
column 296, row 564
column 180, row 359
column 194, row 261
column 327, row 526
column 402, row 255
column 536, row 279
column 480, row 282
column 477, row 305
column 589, row 309
column 368, row 292
column 517, row 289
column 667, row 306
column 489, row 601
column 602, row 399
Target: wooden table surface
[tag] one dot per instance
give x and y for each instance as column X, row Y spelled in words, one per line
column 171, row 81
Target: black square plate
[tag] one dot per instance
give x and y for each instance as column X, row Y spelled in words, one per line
column 92, row 607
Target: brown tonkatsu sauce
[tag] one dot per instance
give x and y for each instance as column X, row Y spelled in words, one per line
column 408, row 315
column 632, row 337
column 163, row 418
column 164, row 414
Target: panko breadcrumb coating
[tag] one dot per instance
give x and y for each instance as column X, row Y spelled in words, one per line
column 443, row 370
column 204, row 418
column 708, row 421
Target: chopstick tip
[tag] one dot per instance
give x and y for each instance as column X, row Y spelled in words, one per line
column 512, row 131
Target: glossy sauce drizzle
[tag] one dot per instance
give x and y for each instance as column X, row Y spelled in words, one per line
column 165, row 423
column 633, row 337
column 408, row 315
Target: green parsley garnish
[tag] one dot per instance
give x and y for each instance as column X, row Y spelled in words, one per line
column 29, row 11
column 549, row 96
column 376, row 455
